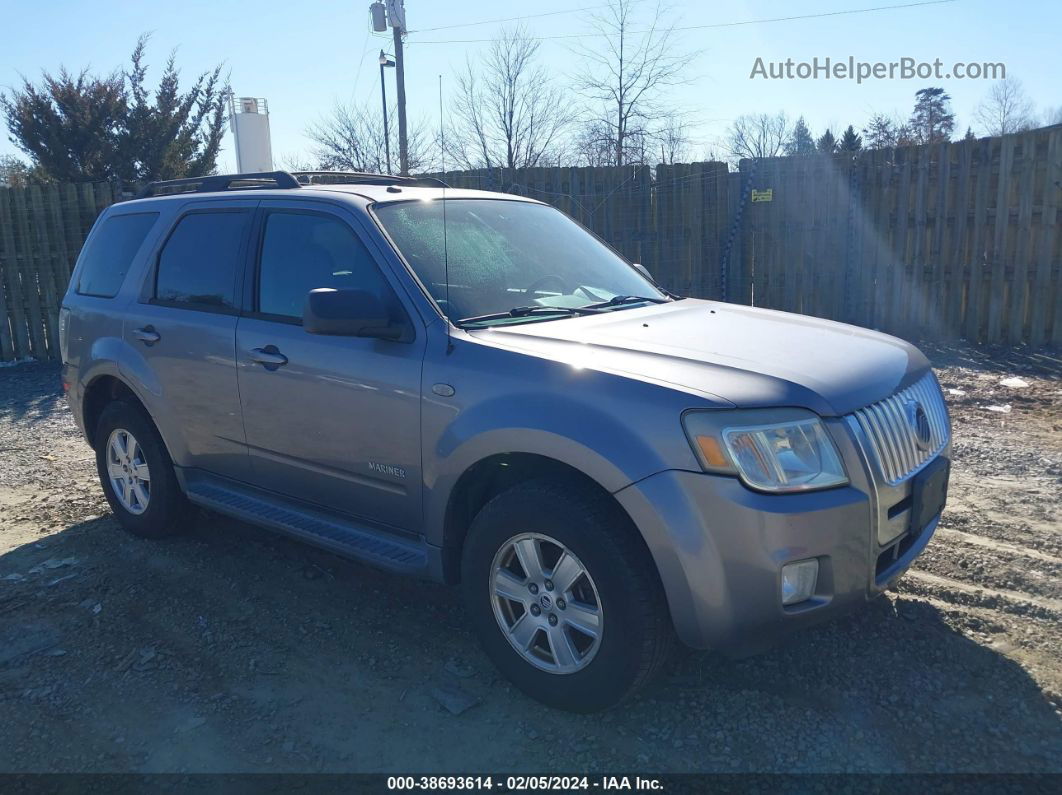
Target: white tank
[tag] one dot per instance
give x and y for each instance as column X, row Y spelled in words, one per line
column 249, row 121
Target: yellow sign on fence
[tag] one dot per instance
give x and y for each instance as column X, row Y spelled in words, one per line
column 763, row 195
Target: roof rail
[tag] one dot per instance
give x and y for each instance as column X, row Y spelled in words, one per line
column 219, row 182
column 364, row 178
column 283, row 180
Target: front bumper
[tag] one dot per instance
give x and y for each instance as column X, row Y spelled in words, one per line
column 720, row 548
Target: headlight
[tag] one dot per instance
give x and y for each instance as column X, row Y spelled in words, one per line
column 771, row 449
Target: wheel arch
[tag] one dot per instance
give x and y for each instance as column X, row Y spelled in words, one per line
column 101, row 391
column 491, row 475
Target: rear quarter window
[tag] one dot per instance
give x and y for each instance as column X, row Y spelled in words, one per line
column 109, row 253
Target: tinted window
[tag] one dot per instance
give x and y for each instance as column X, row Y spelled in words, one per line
column 302, row 251
column 198, row 263
column 108, row 255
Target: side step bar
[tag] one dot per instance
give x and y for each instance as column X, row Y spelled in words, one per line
column 336, row 534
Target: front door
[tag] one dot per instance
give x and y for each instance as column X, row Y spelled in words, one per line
column 333, row 421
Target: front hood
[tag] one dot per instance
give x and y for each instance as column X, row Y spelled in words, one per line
column 749, row 357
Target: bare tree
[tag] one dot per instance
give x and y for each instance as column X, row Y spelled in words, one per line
column 1006, row 109
column 758, row 135
column 886, row 132
column 297, row 161
column 625, row 73
column 351, row 138
column 1052, row 116
column 593, row 144
column 508, row 112
column 673, row 141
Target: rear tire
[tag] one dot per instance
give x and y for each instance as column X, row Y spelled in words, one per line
column 581, row 646
column 137, row 474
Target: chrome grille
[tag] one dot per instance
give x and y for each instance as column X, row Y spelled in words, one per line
column 893, row 437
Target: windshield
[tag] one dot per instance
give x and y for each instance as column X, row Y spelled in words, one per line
column 505, row 255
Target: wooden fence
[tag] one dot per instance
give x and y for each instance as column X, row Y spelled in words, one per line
column 929, row 242
column 934, row 242
column 41, row 232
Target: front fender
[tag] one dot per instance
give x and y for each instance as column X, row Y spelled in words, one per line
column 446, row 471
column 614, row 429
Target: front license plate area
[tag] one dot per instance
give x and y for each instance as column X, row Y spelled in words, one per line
column 929, row 493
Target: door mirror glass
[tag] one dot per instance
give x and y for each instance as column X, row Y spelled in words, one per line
column 349, row 313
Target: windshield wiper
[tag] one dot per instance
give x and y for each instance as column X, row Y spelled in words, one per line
column 527, row 311
column 620, row 300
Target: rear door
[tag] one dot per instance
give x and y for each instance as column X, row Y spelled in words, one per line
column 333, row 421
column 182, row 333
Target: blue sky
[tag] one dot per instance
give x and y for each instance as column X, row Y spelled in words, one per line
column 303, row 57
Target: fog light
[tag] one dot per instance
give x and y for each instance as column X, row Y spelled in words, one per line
column 798, row 581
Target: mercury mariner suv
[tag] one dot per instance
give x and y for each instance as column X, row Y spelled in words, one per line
column 471, row 388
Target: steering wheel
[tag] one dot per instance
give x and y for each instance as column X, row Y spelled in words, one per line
column 537, row 284
column 542, row 280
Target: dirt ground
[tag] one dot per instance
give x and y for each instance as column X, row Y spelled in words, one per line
column 234, row 650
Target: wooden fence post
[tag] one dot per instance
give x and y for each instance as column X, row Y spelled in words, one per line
column 1047, row 258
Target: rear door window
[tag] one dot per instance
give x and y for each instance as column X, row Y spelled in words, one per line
column 199, row 262
column 109, row 254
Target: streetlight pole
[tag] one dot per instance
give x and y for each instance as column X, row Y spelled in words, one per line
column 384, row 63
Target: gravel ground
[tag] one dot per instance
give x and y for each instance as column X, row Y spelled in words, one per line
column 234, row 650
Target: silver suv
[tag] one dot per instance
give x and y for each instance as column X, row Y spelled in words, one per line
column 471, row 388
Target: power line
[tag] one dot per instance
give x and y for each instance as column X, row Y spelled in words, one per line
column 361, row 63
column 509, row 19
column 718, row 24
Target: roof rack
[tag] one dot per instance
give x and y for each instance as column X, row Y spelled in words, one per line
column 283, row 180
column 364, row 178
column 219, row 182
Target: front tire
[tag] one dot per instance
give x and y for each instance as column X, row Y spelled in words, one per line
column 137, row 474
column 564, row 597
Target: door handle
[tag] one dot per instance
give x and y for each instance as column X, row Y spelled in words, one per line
column 269, row 356
column 147, row 335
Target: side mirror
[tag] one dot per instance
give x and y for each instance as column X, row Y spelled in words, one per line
column 644, row 271
column 348, row 313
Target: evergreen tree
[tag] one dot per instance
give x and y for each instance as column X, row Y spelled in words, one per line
column 932, row 120
column 171, row 134
column 800, row 142
column 14, row 173
column 969, row 135
column 851, row 141
column 85, row 127
column 827, row 144
column 68, row 125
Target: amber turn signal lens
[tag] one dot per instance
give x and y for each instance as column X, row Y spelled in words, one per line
column 712, row 452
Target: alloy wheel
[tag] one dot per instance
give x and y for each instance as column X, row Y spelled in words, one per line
column 128, row 471
column 546, row 603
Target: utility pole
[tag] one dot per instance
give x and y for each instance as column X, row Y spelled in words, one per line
column 393, row 13
column 396, row 15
